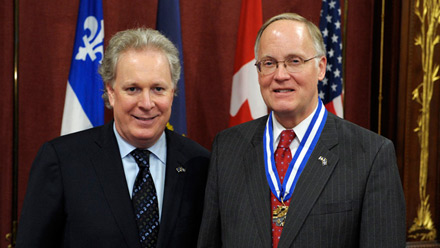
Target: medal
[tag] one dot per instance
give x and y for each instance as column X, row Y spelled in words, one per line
column 284, row 191
column 279, row 215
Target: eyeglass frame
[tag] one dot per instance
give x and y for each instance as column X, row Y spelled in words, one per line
column 258, row 63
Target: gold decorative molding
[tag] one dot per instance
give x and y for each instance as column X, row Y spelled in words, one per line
column 429, row 16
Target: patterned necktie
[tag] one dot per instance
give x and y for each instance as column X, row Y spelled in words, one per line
column 145, row 201
column 283, row 156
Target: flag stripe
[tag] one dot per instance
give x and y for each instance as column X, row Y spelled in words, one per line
column 251, row 19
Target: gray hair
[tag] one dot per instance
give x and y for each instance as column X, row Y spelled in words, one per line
column 138, row 39
column 314, row 31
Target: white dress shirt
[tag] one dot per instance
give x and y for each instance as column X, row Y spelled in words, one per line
column 300, row 130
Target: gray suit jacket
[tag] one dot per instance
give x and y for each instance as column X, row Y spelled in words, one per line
column 77, row 194
column 356, row 200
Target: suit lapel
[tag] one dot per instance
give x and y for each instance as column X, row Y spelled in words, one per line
column 258, row 188
column 311, row 183
column 174, row 184
column 109, row 169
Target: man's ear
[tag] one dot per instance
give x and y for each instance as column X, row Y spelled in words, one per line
column 322, row 66
column 110, row 94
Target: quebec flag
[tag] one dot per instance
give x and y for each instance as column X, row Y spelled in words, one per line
column 84, row 107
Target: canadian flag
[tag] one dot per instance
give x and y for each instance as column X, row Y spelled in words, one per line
column 246, row 101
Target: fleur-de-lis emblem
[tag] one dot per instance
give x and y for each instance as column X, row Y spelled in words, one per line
column 93, row 43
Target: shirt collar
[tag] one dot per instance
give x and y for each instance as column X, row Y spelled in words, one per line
column 300, row 129
column 158, row 149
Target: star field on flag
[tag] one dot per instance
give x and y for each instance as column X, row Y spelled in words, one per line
column 330, row 88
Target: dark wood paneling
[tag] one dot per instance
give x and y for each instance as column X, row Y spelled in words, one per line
column 408, row 142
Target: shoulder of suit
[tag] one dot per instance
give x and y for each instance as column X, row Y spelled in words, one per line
column 349, row 129
column 84, row 138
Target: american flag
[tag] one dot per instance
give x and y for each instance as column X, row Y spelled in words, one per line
column 330, row 88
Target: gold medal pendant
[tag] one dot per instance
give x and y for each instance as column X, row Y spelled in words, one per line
column 279, row 215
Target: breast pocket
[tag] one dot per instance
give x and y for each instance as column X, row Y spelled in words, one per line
column 332, row 207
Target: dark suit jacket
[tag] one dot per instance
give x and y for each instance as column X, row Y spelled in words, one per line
column 356, row 200
column 77, row 194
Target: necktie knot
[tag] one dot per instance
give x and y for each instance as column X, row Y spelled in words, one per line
column 141, row 157
column 286, row 138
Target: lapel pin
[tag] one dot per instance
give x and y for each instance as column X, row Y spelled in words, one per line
column 180, row 169
column 323, row 160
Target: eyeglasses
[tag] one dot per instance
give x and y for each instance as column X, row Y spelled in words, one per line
column 292, row 64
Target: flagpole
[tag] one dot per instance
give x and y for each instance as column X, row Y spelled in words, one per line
column 344, row 51
column 380, row 97
column 14, row 216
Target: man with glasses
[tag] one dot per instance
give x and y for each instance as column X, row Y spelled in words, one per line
column 300, row 177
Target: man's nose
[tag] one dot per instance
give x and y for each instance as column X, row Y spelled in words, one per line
column 281, row 71
column 146, row 101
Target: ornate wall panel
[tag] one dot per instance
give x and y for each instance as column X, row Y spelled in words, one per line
column 418, row 116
